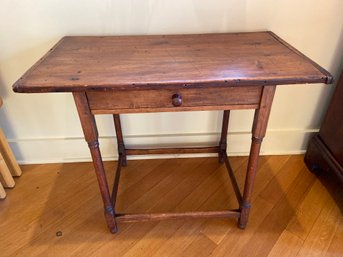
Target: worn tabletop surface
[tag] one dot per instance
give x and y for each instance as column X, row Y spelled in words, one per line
column 78, row 63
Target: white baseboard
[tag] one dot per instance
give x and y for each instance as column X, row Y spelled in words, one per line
column 57, row 150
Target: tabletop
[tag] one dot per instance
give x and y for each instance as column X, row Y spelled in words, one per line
column 80, row 63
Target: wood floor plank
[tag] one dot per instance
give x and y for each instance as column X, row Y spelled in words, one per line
column 180, row 240
column 192, row 228
column 267, row 168
column 195, row 166
column 277, row 220
column 137, row 170
column 210, row 228
column 336, row 247
column 247, row 238
column 168, row 188
column 319, row 239
column 321, row 235
column 16, row 221
column 97, row 235
column 217, row 229
column 150, row 242
column 202, row 246
column 267, row 171
column 172, row 198
column 53, row 217
column 219, row 178
column 280, row 183
column 153, row 240
column 173, row 175
column 138, row 190
column 302, row 222
column 179, row 191
column 287, row 245
column 56, row 210
column 45, row 236
column 115, row 245
column 234, row 242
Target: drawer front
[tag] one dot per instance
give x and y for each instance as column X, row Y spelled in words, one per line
column 215, row 98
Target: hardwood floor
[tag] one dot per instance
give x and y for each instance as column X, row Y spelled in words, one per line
column 56, row 210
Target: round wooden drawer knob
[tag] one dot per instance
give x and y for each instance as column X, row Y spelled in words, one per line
column 177, row 100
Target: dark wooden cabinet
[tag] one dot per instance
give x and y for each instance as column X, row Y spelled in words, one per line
column 325, row 151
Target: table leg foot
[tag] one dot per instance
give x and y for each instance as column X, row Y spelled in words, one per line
column 241, row 225
column 110, row 219
column 114, row 230
column 243, row 219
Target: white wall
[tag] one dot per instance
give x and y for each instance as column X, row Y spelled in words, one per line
column 45, row 127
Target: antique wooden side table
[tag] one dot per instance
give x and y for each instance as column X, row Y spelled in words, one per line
column 169, row 73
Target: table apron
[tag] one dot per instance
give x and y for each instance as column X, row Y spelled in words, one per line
column 193, row 99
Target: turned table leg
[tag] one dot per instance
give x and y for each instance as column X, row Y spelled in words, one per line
column 91, row 136
column 120, row 139
column 258, row 132
column 223, row 137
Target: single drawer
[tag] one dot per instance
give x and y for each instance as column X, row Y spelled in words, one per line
column 183, row 99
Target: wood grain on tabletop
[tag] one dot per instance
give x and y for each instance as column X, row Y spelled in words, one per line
column 98, row 63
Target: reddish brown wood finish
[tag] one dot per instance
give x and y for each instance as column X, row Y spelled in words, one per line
column 233, row 178
column 120, row 139
column 164, row 216
column 116, row 181
column 169, row 150
column 101, row 63
column 126, row 74
column 258, row 133
column 193, row 99
column 91, row 136
column 223, row 136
